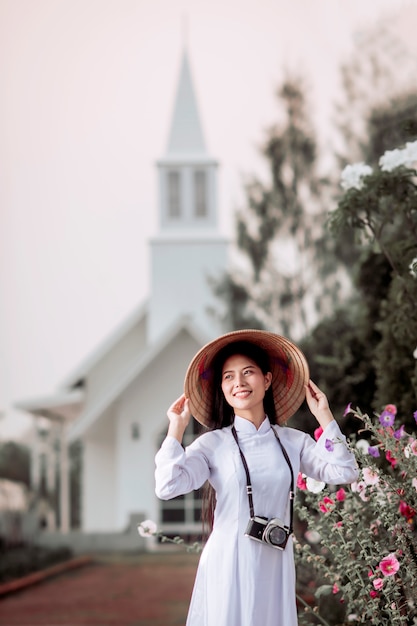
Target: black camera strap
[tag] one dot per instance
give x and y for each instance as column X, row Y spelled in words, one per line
column 248, row 482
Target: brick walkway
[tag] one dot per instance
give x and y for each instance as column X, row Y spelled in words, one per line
column 142, row 590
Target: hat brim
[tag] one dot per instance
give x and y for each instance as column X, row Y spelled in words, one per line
column 289, row 368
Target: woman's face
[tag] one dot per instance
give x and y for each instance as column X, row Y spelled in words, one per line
column 244, row 385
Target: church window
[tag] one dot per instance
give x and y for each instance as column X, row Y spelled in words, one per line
column 200, row 193
column 174, row 194
column 135, row 432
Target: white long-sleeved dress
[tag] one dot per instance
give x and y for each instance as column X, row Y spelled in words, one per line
column 241, row 582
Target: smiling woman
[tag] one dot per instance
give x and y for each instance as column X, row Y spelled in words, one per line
column 243, row 387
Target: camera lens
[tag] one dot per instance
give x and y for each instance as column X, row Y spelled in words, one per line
column 277, row 536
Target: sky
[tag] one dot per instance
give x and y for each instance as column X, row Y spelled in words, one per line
column 88, row 88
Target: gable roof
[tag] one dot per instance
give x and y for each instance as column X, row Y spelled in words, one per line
column 82, row 371
column 63, row 405
column 87, row 419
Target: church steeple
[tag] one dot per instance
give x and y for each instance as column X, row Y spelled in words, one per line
column 188, row 248
column 187, row 174
column 186, row 135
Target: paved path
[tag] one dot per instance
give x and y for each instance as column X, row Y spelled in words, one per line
column 141, row 590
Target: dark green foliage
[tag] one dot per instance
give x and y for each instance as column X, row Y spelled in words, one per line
column 384, row 213
column 391, row 125
column 23, row 560
column 394, row 363
column 340, row 357
column 15, row 462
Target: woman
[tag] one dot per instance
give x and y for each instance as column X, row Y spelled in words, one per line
column 244, row 386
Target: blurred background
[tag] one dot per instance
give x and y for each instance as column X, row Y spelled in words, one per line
column 287, row 94
column 88, row 91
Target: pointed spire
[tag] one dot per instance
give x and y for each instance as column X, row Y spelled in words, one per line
column 186, row 134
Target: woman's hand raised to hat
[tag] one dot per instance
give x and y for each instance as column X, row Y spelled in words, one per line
column 318, row 404
column 179, row 417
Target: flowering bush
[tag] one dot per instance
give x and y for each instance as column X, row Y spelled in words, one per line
column 379, row 207
column 366, row 553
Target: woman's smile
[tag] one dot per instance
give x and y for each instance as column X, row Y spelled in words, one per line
column 244, row 385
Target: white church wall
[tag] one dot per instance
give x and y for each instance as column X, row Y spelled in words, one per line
column 99, row 494
column 146, row 402
column 114, row 363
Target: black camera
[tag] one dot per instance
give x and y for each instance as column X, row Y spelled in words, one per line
column 270, row 531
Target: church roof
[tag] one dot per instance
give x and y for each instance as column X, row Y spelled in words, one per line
column 152, row 351
column 186, row 135
column 83, row 370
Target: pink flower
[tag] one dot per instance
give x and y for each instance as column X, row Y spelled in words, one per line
column 301, row 482
column 373, row 593
column 413, row 446
column 415, row 416
column 370, row 476
column 389, row 565
column 391, row 408
column 360, row 488
column 335, row 589
column 390, row 458
column 317, row 433
column 341, row 495
column 326, row 504
column 357, row 486
column 378, row 583
column 406, row 511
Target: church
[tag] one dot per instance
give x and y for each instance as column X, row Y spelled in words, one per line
column 115, row 403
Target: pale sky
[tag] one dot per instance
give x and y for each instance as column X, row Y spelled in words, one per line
column 87, row 95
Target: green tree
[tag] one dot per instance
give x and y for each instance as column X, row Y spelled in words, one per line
column 285, row 276
column 381, row 208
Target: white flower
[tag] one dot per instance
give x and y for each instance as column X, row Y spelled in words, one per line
column 353, row 175
column 147, row 528
column 391, row 159
column 362, row 445
column 394, row 158
column 415, row 353
column 411, row 151
column 414, row 483
column 315, row 486
column 312, row 536
column 413, row 267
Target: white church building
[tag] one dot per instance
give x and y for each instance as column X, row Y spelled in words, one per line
column 115, row 403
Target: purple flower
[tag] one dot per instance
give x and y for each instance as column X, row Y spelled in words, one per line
column 349, row 410
column 400, row 432
column 329, row 445
column 386, row 418
column 373, row 451
column 415, row 416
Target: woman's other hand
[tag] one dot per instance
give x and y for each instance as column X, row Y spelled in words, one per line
column 179, row 416
column 318, row 404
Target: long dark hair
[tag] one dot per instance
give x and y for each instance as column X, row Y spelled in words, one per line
column 223, row 414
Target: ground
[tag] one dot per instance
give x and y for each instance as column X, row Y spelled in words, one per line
column 129, row 590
